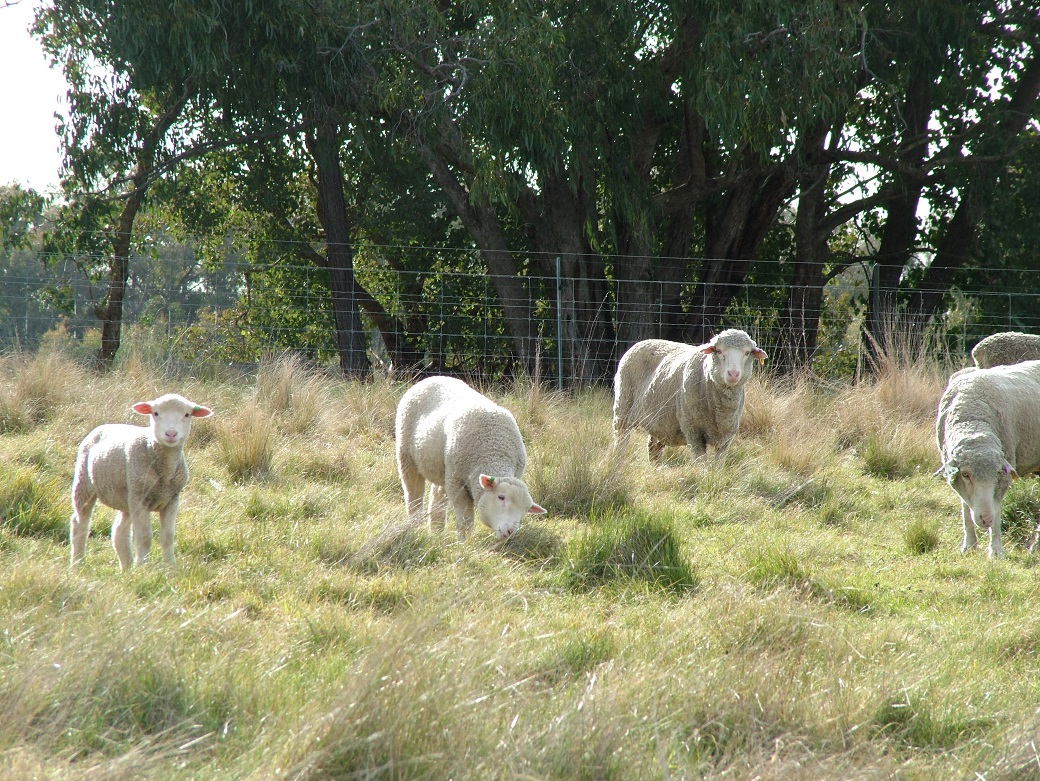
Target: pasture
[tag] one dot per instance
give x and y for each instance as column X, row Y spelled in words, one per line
column 798, row 611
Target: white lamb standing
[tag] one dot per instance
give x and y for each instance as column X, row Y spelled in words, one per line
column 469, row 449
column 1006, row 348
column 136, row 470
column 988, row 431
column 682, row 394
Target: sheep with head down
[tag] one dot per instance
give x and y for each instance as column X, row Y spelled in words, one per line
column 135, row 470
column 682, row 394
column 988, row 432
column 470, row 451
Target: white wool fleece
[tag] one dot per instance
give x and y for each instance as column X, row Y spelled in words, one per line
column 471, row 452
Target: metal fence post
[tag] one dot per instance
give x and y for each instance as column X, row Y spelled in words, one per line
column 559, row 326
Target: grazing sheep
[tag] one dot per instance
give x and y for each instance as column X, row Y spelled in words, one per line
column 681, row 394
column 471, row 452
column 1005, row 349
column 136, row 470
column 988, row 431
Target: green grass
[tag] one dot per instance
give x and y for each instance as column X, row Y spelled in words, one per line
column 797, row 610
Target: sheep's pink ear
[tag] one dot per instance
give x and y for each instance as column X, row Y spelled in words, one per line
column 760, row 355
column 536, row 509
column 487, row 482
column 1010, row 470
column 709, row 348
column 201, row 412
column 143, row 407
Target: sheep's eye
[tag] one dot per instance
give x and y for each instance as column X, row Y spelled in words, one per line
column 187, row 415
column 155, row 414
column 501, row 497
column 717, row 350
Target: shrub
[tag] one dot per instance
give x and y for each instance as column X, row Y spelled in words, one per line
column 629, row 549
column 32, row 505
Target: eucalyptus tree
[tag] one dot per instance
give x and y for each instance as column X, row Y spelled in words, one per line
column 127, row 116
column 951, row 94
column 631, row 140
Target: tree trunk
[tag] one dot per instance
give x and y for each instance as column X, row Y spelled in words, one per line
column 734, row 239
column 899, row 236
column 958, row 240
column 111, row 313
column 483, row 225
column 800, row 322
column 339, row 255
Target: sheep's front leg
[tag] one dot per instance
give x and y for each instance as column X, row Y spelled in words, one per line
column 996, row 547
column 438, row 506
column 121, row 540
column 462, row 504
column 167, row 527
column 141, row 525
column 970, row 540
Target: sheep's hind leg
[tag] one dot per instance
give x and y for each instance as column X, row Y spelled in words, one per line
column 79, row 528
column 654, row 450
column 438, row 506
column 413, row 485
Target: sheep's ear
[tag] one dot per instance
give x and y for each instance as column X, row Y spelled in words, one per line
column 709, row 348
column 1010, row 470
column 536, row 509
column 948, row 470
column 143, row 407
column 760, row 355
column 487, row 482
column 201, row 412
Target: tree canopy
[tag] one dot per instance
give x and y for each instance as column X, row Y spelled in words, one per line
column 668, row 154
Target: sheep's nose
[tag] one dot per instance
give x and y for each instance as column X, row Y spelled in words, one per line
column 171, row 434
column 733, row 376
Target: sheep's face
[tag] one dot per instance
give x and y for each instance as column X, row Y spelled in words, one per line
column 171, row 417
column 502, row 504
column 733, row 354
column 981, row 482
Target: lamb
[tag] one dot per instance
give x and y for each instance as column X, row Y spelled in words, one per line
column 135, row 470
column 469, row 449
column 988, row 432
column 681, row 394
column 1006, row 348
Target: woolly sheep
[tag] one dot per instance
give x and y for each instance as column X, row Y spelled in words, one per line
column 681, row 394
column 469, row 449
column 135, row 470
column 1005, row 349
column 988, row 431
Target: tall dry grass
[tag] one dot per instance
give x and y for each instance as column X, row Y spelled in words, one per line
column 796, row 610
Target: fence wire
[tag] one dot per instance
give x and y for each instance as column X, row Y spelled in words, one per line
column 445, row 319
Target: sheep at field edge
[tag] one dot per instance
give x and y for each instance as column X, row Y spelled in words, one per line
column 469, row 449
column 988, row 431
column 684, row 394
column 1005, row 349
column 135, row 470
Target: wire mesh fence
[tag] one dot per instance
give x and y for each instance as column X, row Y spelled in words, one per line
column 435, row 310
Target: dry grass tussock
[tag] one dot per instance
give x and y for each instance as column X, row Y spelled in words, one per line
column 817, row 619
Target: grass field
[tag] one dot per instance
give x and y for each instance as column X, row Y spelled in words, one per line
column 798, row 611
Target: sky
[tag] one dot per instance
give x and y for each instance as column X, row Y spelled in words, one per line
column 30, row 92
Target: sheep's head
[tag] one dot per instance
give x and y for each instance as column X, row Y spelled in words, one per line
column 502, row 504
column 732, row 355
column 171, row 417
column 980, row 478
